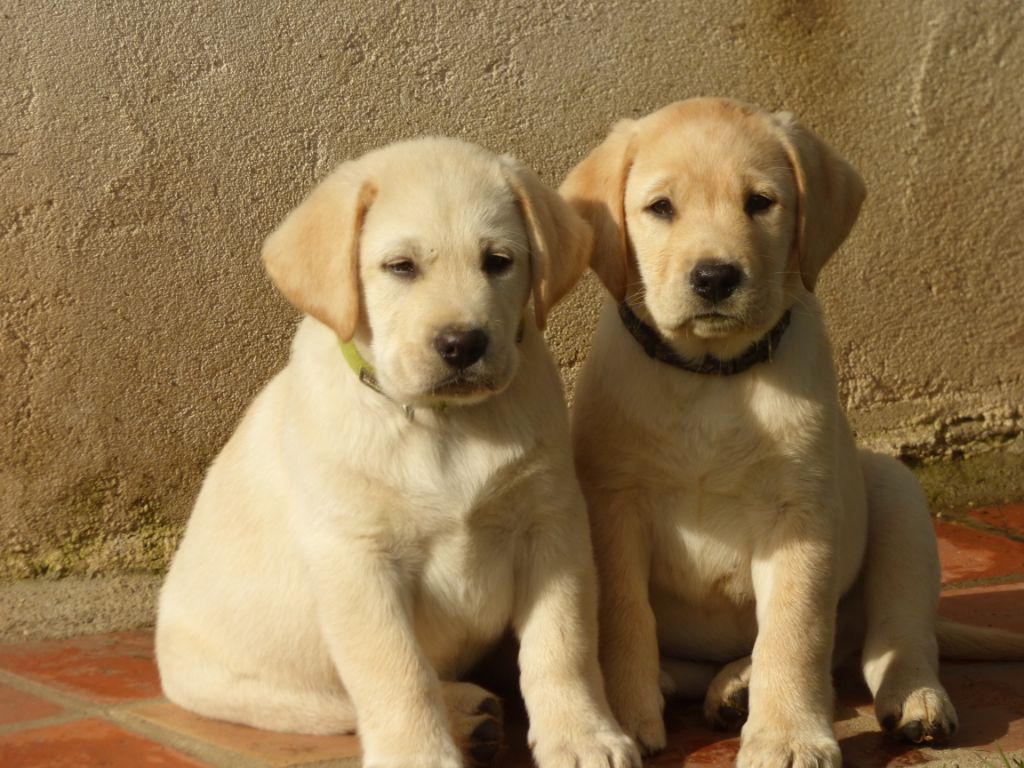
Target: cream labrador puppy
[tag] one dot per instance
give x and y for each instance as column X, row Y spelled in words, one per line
column 731, row 510
column 403, row 490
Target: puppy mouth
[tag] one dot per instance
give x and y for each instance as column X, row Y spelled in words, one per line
column 714, row 321
column 464, row 385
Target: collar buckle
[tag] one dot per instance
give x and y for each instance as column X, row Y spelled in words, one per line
column 364, row 371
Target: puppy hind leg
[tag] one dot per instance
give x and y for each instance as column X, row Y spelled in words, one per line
column 727, row 700
column 723, row 689
column 475, row 714
column 476, row 721
column 900, row 658
column 221, row 694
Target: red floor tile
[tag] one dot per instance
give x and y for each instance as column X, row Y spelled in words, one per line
column 269, row 746
column 103, row 668
column 967, row 554
column 86, row 744
column 20, row 707
column 120, row 667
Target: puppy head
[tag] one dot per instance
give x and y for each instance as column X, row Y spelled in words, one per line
column 718, row 210
column 427, row 252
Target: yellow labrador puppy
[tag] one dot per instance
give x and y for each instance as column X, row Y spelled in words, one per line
column 731, row 509
column 403, row 490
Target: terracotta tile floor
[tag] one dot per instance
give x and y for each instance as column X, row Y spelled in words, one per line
column 95, row 701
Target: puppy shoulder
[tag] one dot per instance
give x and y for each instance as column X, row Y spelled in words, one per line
column 796, row 397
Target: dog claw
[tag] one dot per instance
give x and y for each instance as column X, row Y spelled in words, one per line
column 917, row 731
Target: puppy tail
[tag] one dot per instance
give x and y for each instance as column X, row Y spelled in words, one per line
column 970, row 643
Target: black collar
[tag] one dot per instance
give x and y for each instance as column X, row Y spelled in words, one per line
column 655, row 346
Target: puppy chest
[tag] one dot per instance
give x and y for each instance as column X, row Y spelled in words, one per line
column 467, row 584
column 702, row 549
column 726, row 431
column 733, row 458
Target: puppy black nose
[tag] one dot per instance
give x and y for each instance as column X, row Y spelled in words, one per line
column 459, row 347
column 715, row 280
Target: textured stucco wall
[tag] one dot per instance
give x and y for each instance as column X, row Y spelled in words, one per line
column 146, row 151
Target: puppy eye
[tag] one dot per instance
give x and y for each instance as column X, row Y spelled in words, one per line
column 404, row 268
column 496, row 263
column 757, row 203
column 662, row 208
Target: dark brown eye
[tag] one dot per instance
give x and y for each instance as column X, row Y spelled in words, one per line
column 662, row 208
column 404, row 268
column 757, row 203
column 496, row 263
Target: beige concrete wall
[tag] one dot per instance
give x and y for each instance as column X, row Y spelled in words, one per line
column 146, row 149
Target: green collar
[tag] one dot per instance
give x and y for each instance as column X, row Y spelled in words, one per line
column 366, row 375
column 359, row 366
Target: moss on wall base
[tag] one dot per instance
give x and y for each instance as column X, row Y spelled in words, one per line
column 146, row 550
column 995, row 476
column 971, row 459
column 102, row 530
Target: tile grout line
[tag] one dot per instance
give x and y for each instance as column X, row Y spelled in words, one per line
column 966, row 520
column 218, row 756
column 212, row 754
column 985, row 581
column 120, row 714
column 41, row 722
column 50, row 693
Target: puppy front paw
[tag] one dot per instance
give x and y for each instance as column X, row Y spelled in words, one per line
column 647, row 730
column 925, row 716
column 769, row 747
column 605, row 747
column 727, row 700
column 476, row 720
column 727, row 710
column 640, row 713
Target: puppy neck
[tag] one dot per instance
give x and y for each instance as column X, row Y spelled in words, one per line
column 363, row 369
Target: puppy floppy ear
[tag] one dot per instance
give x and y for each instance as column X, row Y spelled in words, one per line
column 313, row 256
column 596, row 188
column 830, row 193
column 559, row 239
